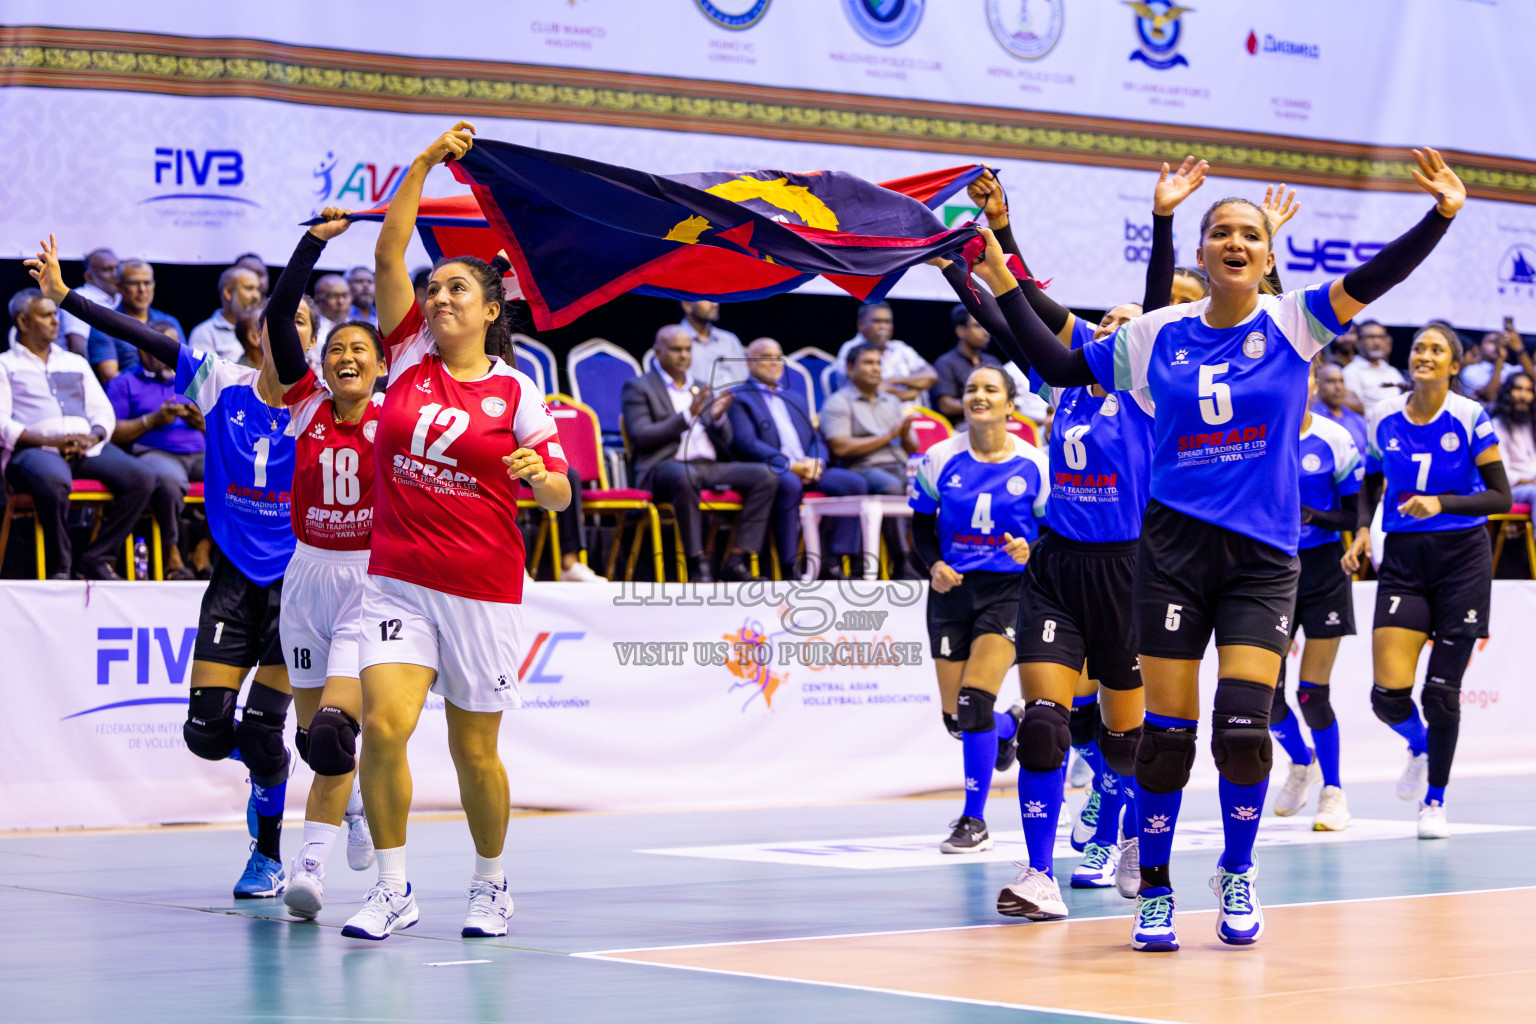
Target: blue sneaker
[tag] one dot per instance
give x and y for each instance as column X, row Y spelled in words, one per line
column 1153, row 931
column 263, row 878
column 1239, row 918
column 250, row 813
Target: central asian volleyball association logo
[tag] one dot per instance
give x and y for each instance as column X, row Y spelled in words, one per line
column 1028, row 29
column 735, row 15
column 884, row 22
column 1158, row 27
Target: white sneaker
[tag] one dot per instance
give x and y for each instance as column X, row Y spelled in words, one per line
column 306, row 887
column 1239, row 918
column 359, row 843
column 1412, row 784
column 1128, row 870
column 1432, row 823
column 489, row 907
column 384, row 911
column 1332, row 811
column 1033, row 895
column 1086, row 823
column 1293, row 795
column 580, row 572
column 1080, row 772
column 1097, row 871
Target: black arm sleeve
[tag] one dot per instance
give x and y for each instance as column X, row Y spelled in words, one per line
column 282, row 334
column 1030, row 342
column 1051, row 314
column 1370, row 495
column 1396, row 260
column 1004, row 236
column 925, row 538
column 1342, row 518
column 1159, row 265
column 978, row 301
column 1494, row 501
column 121, row 325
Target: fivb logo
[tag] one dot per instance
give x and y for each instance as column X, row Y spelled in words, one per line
column 125, row 644
column 541, row 652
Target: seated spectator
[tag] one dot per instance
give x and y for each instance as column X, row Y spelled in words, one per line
column 1369, row 377
column 135, row 283
column 165, row 432
column 678, row 430
column 718, row 358
column 866, row 428
column 1330, row 404
column 333, row 301
column 1501, row 355
column 54, row 424
column 904, row 373
column 100, row 287
column 239, row 292
column 360, row 280
column 770, row 424
column 258, row 266
column 1512, row 424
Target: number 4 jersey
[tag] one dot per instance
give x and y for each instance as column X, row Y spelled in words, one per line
column 446, row 510
column 333, row 469
column 977, row 502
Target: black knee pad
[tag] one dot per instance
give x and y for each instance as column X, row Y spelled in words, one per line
column 1240, row 739
column 1442, row 705
column 209, row 730
column 1316, row 710
column 301, row 743
column 976, row 710
column 260, row 735
column 951, row 724
column 1044, row 736
column 332, row 742
column 1164, row 758
column 1279, row 710
column 1448, row 660
column 1394, row 707
column 1084, row 723
column 1119, row 749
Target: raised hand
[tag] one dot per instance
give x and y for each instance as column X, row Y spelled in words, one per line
column 1279, row 207
column 1173, row 188
column 993, row 268
column 450, row 145
column 45, row 270
column 987, row 193
column 1435, row 176
column 336, row 220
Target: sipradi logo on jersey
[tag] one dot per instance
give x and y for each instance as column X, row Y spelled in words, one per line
column 1255, row 344
column 1449, row 441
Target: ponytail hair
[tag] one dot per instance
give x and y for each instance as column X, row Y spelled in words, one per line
column 498, row 333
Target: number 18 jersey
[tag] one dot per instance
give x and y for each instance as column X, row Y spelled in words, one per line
column 333, row 469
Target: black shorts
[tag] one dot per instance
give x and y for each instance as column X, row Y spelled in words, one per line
column 1076, row 609
column 1325, row 601
column 237, row 624
column 1440, row 583
column 1194, row 578
column 984, row 602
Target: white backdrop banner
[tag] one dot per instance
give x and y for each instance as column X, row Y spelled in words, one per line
column 634, row 698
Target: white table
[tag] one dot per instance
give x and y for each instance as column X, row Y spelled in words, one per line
column 871, row 510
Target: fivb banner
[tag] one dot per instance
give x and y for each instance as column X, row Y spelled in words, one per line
column 648, row 697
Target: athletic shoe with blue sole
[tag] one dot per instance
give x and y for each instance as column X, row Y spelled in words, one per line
column 1239, row 918
column 1097, row 871
column 263, row 878
column 384, row 911
column 1153, row 930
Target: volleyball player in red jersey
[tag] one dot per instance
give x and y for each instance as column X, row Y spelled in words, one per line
column 460, row 431
column 334, row 416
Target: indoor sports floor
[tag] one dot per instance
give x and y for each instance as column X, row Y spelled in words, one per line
column 839, row 913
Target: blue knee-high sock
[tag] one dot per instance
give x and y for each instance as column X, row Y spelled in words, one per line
column 1128, row 805
column 1288, row 731
column 1158, row 813
column 1040, row 808
column 978, row 750
column 1412, row 729
column 268, row 801
column 1111, row 799
column 1005, row 725
column 1326, row 743
column 1241, row 809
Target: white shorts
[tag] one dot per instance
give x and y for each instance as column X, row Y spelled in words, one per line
column 321, row 615
column 475, row 647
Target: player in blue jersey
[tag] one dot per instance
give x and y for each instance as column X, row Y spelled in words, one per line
column 977, row 504
column 247, row 480
column 1225, row 381
column 1437, row 456
column 1331, row 471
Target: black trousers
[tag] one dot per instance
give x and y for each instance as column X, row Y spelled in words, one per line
column 679, row 483
column 44, row 474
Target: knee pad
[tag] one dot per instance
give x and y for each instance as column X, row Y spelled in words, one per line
column 1393, row 707
column 976, row 710
column 1240, row 740
column 1164, row 758
column 301, row 743
column 1084, row 723
column 260, row 735
column 951, row 724
column 1044, row 736
column 1316, row 710
column 209, row 730
column 332, row 742
column 1442, row 705
column 1279, row 710
column 1119, row 749
column 1448, row 660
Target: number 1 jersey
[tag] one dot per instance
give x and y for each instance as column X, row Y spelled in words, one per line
column 332, row 470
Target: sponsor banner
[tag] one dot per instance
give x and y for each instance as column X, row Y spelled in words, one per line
column 633, row 698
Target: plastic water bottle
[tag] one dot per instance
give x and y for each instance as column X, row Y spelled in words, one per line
column 140, row 559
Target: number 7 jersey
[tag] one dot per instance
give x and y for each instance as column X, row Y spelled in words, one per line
column 446, row 510
column 333, row 469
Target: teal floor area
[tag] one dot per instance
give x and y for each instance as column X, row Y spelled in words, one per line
column 139, row 926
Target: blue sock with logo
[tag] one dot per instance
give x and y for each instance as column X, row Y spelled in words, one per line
column 978, row 750
column 1158, row 813
column 269, row 801
column 1241, row 809
column 1111, row 799
column 1040, row 795
column 1286, row 727
column 1326, row 743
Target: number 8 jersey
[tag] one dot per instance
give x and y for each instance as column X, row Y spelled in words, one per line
column 446, row 510
column 333, row 469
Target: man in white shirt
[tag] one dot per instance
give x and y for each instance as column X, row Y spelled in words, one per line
column 54, row 424
column 1512, row 419
column 718, row 358
column 239, row 292
column 1369, row 377
column 903, row 372
column 100, row 287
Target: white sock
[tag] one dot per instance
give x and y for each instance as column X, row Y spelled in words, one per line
column 355, row 803
column 488, row 869
column 392, row 868
column 318, row 840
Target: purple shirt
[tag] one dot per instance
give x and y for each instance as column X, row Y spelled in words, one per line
column 135, row 394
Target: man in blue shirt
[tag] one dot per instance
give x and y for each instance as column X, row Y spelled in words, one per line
column 1331, row 392
column 111, row 356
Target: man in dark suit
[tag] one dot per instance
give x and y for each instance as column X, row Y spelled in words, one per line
column 771, row 425
column 678, row 433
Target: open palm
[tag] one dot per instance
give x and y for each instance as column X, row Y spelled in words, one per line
column 1172, row 189
column 1435, row 176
